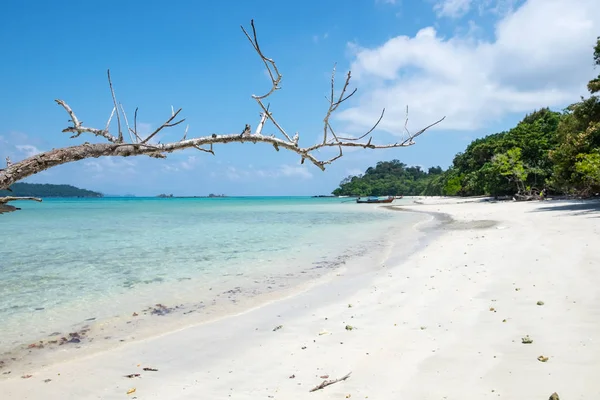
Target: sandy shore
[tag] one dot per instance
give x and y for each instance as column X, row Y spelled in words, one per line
column 446, row 323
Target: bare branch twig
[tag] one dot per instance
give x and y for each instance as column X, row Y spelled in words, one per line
column 78, row 128
column 263, row 117
column 209, row 150
column 269, row 63
column 114, row 98
column 4, row 207
column 167, row 124
column 6, row 199
column 333, row 105
column 109, row 119
column 126, row 123
column 324, row 384
column 370, row 130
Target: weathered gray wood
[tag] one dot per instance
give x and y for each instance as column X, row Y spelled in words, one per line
column 4, row 208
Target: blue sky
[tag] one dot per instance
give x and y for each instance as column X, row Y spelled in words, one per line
column 482, row 63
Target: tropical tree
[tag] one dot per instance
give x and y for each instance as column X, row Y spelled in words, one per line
column 578, row 136
column 510, row 165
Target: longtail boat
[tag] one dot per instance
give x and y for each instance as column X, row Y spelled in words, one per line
column 375, row 200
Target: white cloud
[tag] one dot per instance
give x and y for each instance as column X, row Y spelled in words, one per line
column 108, row 166
column 541, row 55
column 295, row 171
column 188, row 164
column 458, row 8
column 284, row 171
column 28, row 150
column 452, row 8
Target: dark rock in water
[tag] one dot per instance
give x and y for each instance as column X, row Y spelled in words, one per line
column 39, row 308
column 91, row 319
column 75, row 340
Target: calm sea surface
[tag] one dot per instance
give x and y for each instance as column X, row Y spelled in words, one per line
column 64, row 261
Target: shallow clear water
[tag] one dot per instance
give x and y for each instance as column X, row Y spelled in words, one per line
column 64, row 260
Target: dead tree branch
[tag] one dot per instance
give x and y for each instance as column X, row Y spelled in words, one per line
column 4, row 208
column 138, row 145
column 114, row 99
column 324, row 384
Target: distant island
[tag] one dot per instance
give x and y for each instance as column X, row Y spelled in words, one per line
column 170, row 196
column 47, row 190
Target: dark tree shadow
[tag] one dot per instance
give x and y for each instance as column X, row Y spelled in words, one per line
column 575, row 207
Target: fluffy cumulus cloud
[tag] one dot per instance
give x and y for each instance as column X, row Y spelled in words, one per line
column 540, row 55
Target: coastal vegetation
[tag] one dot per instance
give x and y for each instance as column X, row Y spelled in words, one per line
column 47, row 190
column 391, row 178
column 547, row 151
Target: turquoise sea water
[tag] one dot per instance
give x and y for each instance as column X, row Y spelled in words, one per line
column 67, row 260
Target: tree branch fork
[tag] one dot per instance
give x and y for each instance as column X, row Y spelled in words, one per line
column 129, row 142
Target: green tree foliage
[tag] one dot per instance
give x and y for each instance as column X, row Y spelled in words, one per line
column 594, row 84
column 510, row 165
column 546, row 150
column 47, row 190
column 578, row 135
column 588, row 169
column 474, row 169
column 392, row 178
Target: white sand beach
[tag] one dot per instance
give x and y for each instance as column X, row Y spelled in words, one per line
column 445, row 323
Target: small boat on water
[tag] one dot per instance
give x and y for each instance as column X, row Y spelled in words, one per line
column 375, row 200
